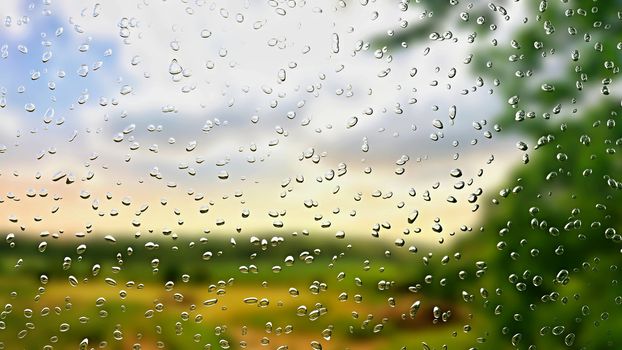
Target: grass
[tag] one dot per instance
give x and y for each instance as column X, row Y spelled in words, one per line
column 140, row 309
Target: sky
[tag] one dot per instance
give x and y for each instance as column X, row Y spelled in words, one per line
column 236, row 117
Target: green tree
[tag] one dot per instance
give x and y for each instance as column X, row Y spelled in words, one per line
column 549, row 250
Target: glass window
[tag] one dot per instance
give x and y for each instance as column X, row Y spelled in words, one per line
column 297, row 174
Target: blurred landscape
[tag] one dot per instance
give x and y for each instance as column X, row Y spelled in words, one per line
column 529, row 259
column 332, row 278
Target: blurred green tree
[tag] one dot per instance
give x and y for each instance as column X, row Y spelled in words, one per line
column 549, row 250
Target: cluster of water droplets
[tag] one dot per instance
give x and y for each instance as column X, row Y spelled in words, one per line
column 290, row 174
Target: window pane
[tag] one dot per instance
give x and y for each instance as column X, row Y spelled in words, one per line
column 292, row 174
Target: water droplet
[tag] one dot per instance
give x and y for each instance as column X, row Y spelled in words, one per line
column 174, row 68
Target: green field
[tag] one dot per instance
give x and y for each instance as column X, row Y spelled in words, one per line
column 208, row 300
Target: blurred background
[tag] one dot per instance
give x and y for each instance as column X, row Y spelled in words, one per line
column 286, row 174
